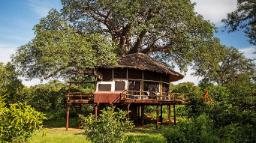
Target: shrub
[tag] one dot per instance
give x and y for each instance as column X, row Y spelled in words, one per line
column 108, row 128
column 18, row 122
column 198, row 130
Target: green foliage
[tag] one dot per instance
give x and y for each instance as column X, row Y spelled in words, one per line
column 218, row 93
column 48, row 97
column 230, row 115
column 58, row 48
column 199, row 129
column 243, row 18
column 18, row 122
column 2, row 106
column 168, row 29
column 222, row 65
column 187, row 88
column 10, row 85
column 109, row 127
column 196, row 105
column 243, row 91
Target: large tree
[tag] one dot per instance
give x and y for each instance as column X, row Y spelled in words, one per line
column 165, row 27
column 10, row 85
column 244, row 18
column 58, row 49
column 86, row 29
column 223, row 65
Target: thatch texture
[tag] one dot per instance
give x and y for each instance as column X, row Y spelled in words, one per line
column 144, row 62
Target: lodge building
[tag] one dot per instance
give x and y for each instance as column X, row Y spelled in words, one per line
column 136, row 81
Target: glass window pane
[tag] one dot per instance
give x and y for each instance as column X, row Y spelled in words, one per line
column 120, row 73
column 119, row 85
column 104, row 87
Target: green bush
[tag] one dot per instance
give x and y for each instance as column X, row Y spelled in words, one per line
column 18, row 122
column 218, row 93
column 108, row 128
column 199, row 130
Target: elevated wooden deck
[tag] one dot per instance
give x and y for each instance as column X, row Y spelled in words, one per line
column 79, row 98
column 134, row 102
column 125, row 98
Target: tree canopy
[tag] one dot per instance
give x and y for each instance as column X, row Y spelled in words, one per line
column 87, row 33
column 10, row 85
column 58, row 48
column 244, row 17
column 223, row 65
column 164, row 27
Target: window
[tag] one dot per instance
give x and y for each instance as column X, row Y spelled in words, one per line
column 119, row 85
column 165, row 89
column 134, row 74
column 151, row 86
column 134, row 85
column 148, row 75
column 104, row 87
column 120, row 73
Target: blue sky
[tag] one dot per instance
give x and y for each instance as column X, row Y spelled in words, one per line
column 17, row 18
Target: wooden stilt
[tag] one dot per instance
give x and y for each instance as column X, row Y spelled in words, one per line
column 137, row 114
column 67, row 117
column 174, row 114
column 169, row 113
column 161, row 114
column 157, row 115
column 128, row 110
column 96, row 111
column 142, row 115
column 79, row 112
column 174, row 111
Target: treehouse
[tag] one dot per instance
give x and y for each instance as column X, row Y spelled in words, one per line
column 135, row 82
column 136, row 79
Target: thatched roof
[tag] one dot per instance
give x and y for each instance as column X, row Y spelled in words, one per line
column 144, row 62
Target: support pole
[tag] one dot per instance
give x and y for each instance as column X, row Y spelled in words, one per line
column 138, row 115
column 67, row 117
column 142, row 115
column 128, row 110
column 157, row 115
column 96, row 111
column 169, row 113
column 161, row 114
column 174, row 114
column 79, row 112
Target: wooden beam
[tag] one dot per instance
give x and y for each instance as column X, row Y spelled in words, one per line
column 142, row 115
column 127, row 73
column 174, row 114
column 128, row 110
column 169, row 112
column 79, row 112
column 161, row 113
column 67, row 117
column 142, row 84
column 157, row 115
column 112, row 72
column 161, row 87
column 96, row 111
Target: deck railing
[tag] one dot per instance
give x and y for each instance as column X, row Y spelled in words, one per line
column 79, row 96
column 147, row 95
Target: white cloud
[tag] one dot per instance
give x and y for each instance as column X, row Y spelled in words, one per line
column 189, row 77
column 215, row 10
column 32, row 82
column 42, row 7
column 249, row 52
column 6, row 50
